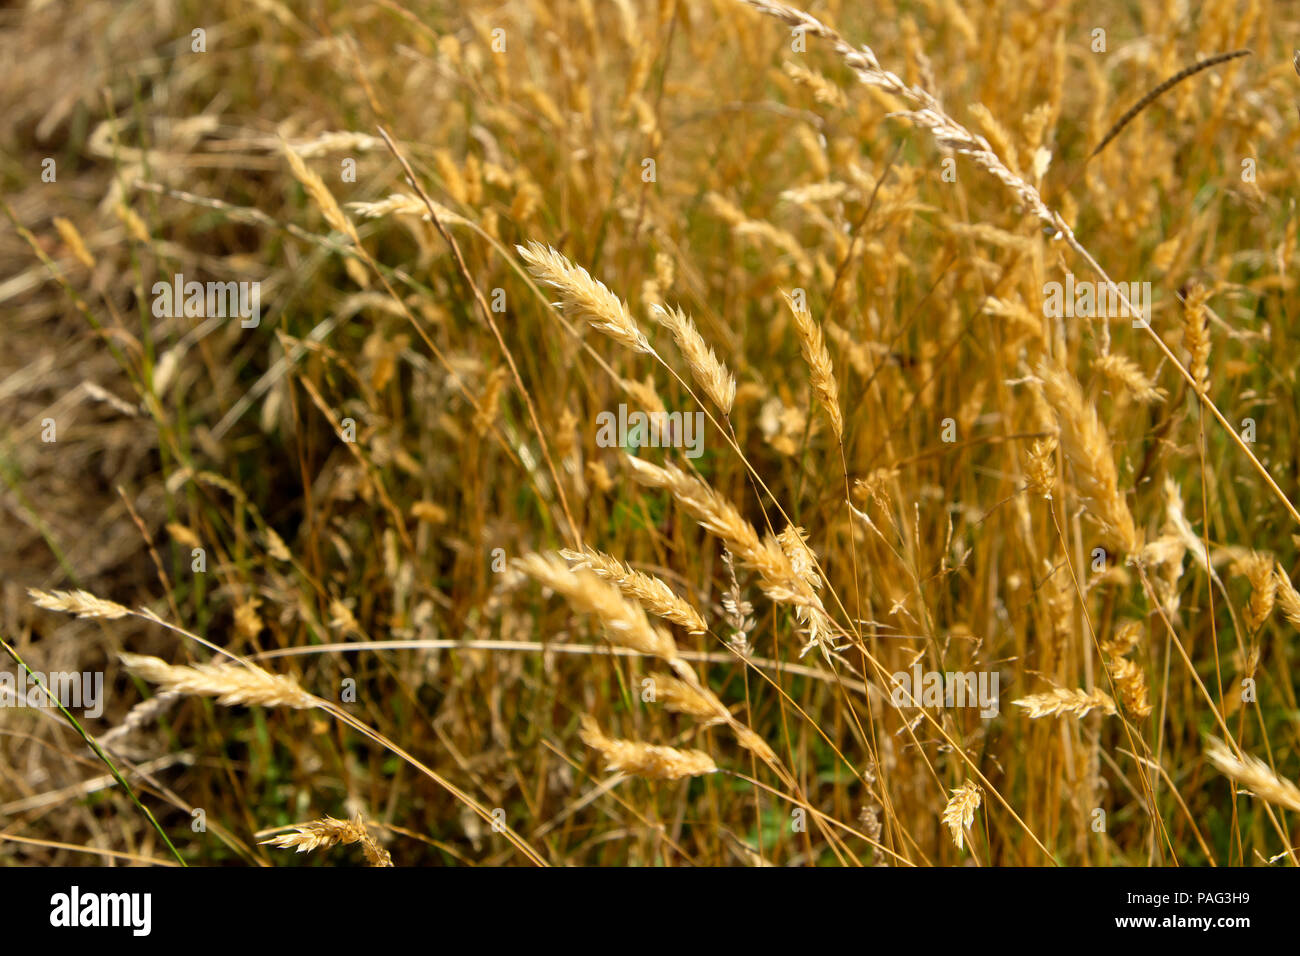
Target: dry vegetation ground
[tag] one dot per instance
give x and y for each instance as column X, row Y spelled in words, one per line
column 427, row 596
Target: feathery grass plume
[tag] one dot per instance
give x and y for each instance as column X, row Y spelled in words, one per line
column 875, row 487
column 653, row 594
column 708, row 371
column 645, row 760
column 738, row 611
column 80, row 603
column 693, row 699
column 794, row 543
column 959, row 814
column 1040, row 467
column 777, row 576
column 327, row 832
column 1087, row 446
column 230, row 683
column 821, row 372
column 1062, row 701
column 320, row 194
column 1254, row 774
column 584, row 297
column 625, row 622
column 1288, row 598
column 1196, row 333
column 1123, row 371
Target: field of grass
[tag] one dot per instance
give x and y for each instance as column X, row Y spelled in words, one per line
column 940, row 556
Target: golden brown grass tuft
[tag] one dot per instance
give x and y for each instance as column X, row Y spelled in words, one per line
column 1254, row 774
column 583, row 297
column 820, row 370
column 1196, row 333
column 1066, row 702
column 189, row 438
column 624, row 622
column 707, row 370
column 652, row 593
column 327, row 832
column 778, row 576
column 80, row 603
column 959, row 814
column 1088, row 449
column 645, row 760
column 1128, row 375
column 230, row 684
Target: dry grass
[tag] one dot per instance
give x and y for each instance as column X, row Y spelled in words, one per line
column 327, row 832
column 228, row 683
column 382, row 518
column 645, row 760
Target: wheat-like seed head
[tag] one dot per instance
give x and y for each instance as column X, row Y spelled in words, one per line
column 1288, row 598
column 1164, row 550
column 1258, row 569
column 1040, row 467
column 707, row 370
column 584, row 297
column 1127, row 636
column 1126, row 373
column 928, row 113
column 715, row 513
column 820, row 370
column 1131, row 682
column 1254, row 774
column 752, row 742
column 72, row 238
column 327, row 832
column 645, row 760
column 489, row 402
column 320, row 194
column 824, row 90
column 736, row 609
column 959, row 814
column 1087, row 446
column 404, row 204
column 625, row 622
column 653, row 594
column 230, row 683
column 1063, row 701
column 778, row 577
column 1196, row 333
column 691, row 698
column 80, row 603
